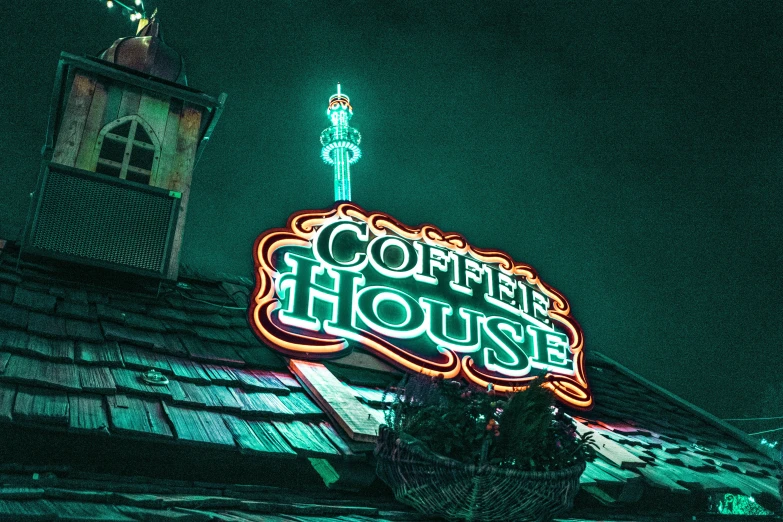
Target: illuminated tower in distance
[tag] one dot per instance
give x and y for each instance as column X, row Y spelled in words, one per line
column 340, row 144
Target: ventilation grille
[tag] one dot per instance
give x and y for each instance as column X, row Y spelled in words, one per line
column 104, row 220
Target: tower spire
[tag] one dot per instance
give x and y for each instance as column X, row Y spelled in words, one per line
column 340, row 144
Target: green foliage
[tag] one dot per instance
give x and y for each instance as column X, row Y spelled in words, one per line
column 524, row 431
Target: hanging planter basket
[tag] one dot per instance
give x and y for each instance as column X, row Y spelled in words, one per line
column 441, row 486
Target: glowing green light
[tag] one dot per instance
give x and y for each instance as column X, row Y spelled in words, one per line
column 340, row 144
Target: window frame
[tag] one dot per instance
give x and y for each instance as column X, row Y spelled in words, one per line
column 130, row 143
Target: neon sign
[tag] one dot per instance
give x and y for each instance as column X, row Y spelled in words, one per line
column 424, row 300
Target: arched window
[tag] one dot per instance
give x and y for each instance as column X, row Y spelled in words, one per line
column 128, row 149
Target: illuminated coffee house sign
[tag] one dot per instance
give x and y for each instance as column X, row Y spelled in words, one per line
column 426, row 301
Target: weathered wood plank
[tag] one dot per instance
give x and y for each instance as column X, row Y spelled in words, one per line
column 7, row 397
column 60, row 350
column 301, row 405
column 43, row 373
column 221, row 374
column 155, row 111
column 130, row 102
column 83, row 331
column 181, row 173
column 137, row 416
column 87, row 413
column 168, row 146
column 261, row 380
column 86, row 157
column 305, row 437
column 113, row 100
column 107, row 354
column 131, row 381
column 187, row 370
column 199, row 425
column 73, row 120
column 144, row 359
column 337, row 399
column 97, row 379
column 41, row 406
column 258, row 436
column 47, row 325
column 4, row 357
column 261, row 403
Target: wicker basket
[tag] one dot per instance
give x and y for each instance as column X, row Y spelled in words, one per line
column 437, row 485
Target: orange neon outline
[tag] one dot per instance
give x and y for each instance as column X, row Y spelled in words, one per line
column 573, row 390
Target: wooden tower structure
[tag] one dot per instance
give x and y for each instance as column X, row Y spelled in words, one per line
column 125, row 132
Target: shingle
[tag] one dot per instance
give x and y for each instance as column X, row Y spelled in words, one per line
column 172, row 346
column 131, row 380
column 215, row 334
column 13, row 316
column 261, row 403
column 220, row 397
column 190, row 306
column 144, row 359
column 144, row 322
column 221, row 374
column 199, row 426
column 83, row 331
column 115, row 332
column 9, row 277
column 87, row 413
column 73, row 310
column 98, row 298
column 7, row 397
column 300, row 405
column 213, row 320
column 77, row 295
column 73, row 510
column 334, row 437
column 169, row 314
column 4, row 357
column 129, row 305
column 47, row 325
column 189, row 393
column 137, row 416
column 27, row 510
column 260, row 380
column 107, row 354
column 43, row 373
column 36, row 301
column 107, row 313
column 6, row 293
column 305, row 437
column 96, row 379
column 41, row 406
column 288, row 380
column 187, row 370
column 211, row 352
column 60, row 350
column 15, row 341
column 262, row 357
column 257, row 436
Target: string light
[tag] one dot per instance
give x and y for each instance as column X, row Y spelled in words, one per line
column 134, row 13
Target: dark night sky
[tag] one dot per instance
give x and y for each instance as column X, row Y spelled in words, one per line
column 630, row 151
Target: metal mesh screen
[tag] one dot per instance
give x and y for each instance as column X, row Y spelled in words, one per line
column 104, row 222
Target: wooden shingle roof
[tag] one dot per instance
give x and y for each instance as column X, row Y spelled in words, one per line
column 73, row 360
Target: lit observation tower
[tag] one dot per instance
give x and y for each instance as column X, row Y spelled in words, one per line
column 340, row 144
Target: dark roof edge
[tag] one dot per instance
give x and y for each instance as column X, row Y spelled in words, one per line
column 709, row 417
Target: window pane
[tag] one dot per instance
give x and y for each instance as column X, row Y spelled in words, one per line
column 112, row 150
column 138, row 178
column 122, row 130
column 141, row 135
column 108, row 170
column 142, row 158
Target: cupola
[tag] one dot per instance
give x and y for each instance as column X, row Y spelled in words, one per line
column 125, row 132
